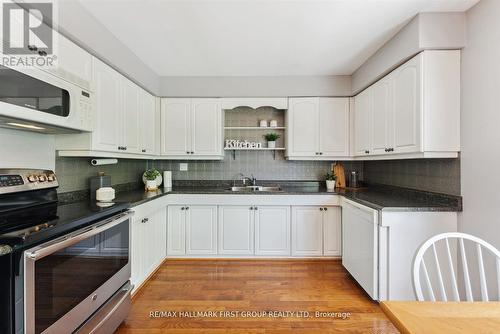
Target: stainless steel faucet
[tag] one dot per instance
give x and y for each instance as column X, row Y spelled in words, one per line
column 251, row 180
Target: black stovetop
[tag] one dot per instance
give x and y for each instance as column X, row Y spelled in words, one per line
column 31, row 220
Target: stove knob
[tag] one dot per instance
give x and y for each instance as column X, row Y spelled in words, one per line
column 51, row 178
column 32, row 178
column 42, row 178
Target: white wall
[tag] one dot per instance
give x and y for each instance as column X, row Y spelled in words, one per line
column 23, row 149
column 480, row 132
column 255, row 86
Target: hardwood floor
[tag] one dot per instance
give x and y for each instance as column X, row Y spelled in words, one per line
column 253, row 286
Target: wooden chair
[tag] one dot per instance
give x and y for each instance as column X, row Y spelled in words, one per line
column 452, row 264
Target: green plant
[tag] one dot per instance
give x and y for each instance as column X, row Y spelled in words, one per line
column 151, row 174
column 271, row 136
column 330, row 176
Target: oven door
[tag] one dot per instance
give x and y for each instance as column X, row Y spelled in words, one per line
column 68, row 279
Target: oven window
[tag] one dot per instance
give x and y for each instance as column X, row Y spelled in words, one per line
column 22, row 90
column 65, row 278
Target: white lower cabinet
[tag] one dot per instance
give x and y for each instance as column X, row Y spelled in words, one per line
column 272, row 230
column 201, row 229
column 236, row 230
column 307, row 231
column 332, row 231
column 316, row 231
column 176, row 234
column 148, row 242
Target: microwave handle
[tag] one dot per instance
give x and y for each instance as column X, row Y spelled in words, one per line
column 61, row 243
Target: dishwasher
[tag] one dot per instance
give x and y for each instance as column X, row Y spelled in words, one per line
column 360, row 245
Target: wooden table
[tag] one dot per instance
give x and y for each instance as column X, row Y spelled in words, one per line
column 441, row 317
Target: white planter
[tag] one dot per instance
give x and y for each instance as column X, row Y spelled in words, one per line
column 151, row 185
column 271, row 144
column 330, row 185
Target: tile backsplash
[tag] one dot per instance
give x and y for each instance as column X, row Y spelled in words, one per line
column 73, row 173
column 435, row 175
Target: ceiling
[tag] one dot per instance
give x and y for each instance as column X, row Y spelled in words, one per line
column 258, row 37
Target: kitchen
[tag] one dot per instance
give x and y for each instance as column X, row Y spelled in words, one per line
column 231, row 169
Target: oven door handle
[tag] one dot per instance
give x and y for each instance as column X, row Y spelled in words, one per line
column 53, row 246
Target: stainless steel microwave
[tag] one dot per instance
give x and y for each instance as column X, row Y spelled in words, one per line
column 35, row 100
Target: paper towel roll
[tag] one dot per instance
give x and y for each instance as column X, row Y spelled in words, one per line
column 167, row 179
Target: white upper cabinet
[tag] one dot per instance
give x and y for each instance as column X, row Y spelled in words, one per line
column 126, row 121
column 317, row 128
column 191, row 128
column 303, row 127
column 74, row 64
column 130, row 137
column 382, row 132
column 334, row 127
column 175, row 127
column 206, row 127
column 107, row 126
column 406, row 83
column 362, row 123
column 149, row 121
column 413, row 112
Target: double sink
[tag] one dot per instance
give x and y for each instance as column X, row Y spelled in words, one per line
column 253, row 189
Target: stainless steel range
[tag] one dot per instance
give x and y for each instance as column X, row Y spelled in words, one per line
column 63, row 268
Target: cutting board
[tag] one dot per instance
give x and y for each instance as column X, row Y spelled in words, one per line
column 338, row 169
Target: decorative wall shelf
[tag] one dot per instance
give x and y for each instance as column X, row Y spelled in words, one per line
column 255, row 149
column 254, row 128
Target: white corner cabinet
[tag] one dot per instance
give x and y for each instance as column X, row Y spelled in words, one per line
column 318, row 128
column 125, row 119
column 191, row 128
column 148, row 242
column 413, row 112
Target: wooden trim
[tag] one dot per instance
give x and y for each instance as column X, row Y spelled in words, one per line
column 147, row 279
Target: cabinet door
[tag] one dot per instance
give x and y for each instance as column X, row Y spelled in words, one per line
column 362, row 122
column 303, row 127
column 176, row 233
column 407, row 107
column 334, row 127
column 148, row 121
column 136, row 252
column 160, row 236
column 332, row 219
column 307, row 231
column 206, row 127
column 74, row 64
column 272, row 230
column 175, row 127
column 130, row 118
column 383, row 118
column 107, row 132
column 201, row 230
column 236, row 230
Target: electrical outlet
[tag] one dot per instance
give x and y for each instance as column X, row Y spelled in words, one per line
column 183, row 167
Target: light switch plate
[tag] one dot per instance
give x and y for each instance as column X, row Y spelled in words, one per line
column 183, row 167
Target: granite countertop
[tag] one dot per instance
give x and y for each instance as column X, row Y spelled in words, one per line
column 378, row 197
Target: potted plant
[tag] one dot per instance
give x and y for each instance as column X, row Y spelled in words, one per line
column 330, row 180
column 271, row 139
column 152, row 178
